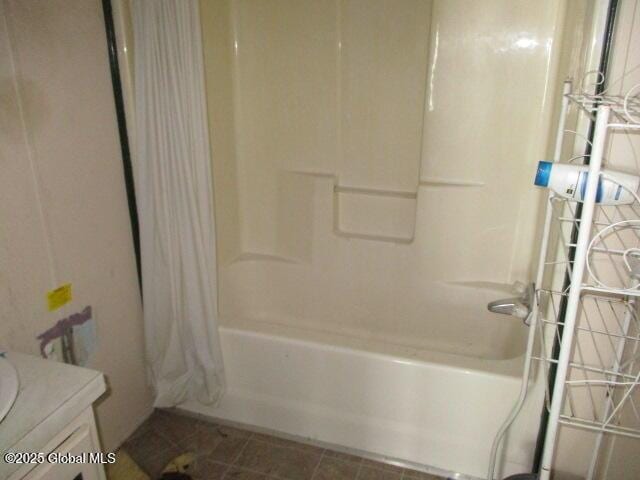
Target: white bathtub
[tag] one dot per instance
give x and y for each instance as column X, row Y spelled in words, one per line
column 437, row 410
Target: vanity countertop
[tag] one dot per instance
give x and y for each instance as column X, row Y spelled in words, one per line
column 50, row 396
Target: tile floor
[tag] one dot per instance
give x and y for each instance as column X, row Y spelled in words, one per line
column 228, row 453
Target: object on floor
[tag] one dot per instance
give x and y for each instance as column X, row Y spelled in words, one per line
column 178, row 467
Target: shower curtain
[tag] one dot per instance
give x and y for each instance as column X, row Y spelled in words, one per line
column 175, row 203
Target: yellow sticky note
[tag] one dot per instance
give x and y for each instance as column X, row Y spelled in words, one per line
column 59, row 297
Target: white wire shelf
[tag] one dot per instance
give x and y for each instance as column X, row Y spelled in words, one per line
column 601, row 386
column 588, row 282
column 625, row 109
column 609, row 255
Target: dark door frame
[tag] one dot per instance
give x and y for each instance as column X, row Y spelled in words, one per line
column 112, row 48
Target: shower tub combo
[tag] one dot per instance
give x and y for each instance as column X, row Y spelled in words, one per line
column 372, row 166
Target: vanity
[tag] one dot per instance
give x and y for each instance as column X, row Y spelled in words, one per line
column 52, row 422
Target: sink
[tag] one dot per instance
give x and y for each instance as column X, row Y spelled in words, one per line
column 8, row 386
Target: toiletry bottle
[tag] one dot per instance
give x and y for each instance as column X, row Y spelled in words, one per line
column 570, row 181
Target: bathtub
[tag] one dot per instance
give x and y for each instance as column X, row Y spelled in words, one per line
column 426, row 409
column 361, row 229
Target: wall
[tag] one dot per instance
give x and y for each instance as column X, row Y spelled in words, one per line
column 373, row 163
column 217, row 39
column 63, row 210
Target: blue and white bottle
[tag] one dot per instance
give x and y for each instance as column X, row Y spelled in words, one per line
column 570, row 181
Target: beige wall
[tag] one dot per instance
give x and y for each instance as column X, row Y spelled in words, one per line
column 63, row 210
column 365, row 152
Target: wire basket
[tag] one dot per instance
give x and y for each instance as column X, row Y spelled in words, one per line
column 604, row 372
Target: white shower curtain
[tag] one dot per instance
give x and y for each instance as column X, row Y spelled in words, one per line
column 175, row 204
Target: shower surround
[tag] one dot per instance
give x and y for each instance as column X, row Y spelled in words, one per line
column 372, row 165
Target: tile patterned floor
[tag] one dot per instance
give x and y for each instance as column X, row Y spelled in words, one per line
column 226, row 453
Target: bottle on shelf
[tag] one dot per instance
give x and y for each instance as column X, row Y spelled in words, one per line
column 570, row 181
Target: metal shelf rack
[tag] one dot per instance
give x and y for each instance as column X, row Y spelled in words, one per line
column 595, row 320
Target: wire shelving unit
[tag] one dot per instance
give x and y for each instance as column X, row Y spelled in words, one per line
column 594, row 320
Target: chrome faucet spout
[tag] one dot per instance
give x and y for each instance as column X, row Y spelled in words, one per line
column 519, row 307
column 505, row 306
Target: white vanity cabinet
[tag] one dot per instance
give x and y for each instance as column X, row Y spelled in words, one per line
column 53, row 418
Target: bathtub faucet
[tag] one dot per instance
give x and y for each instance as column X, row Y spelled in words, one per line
column 519, row 307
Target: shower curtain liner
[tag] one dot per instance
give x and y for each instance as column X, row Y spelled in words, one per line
column 175, row 204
